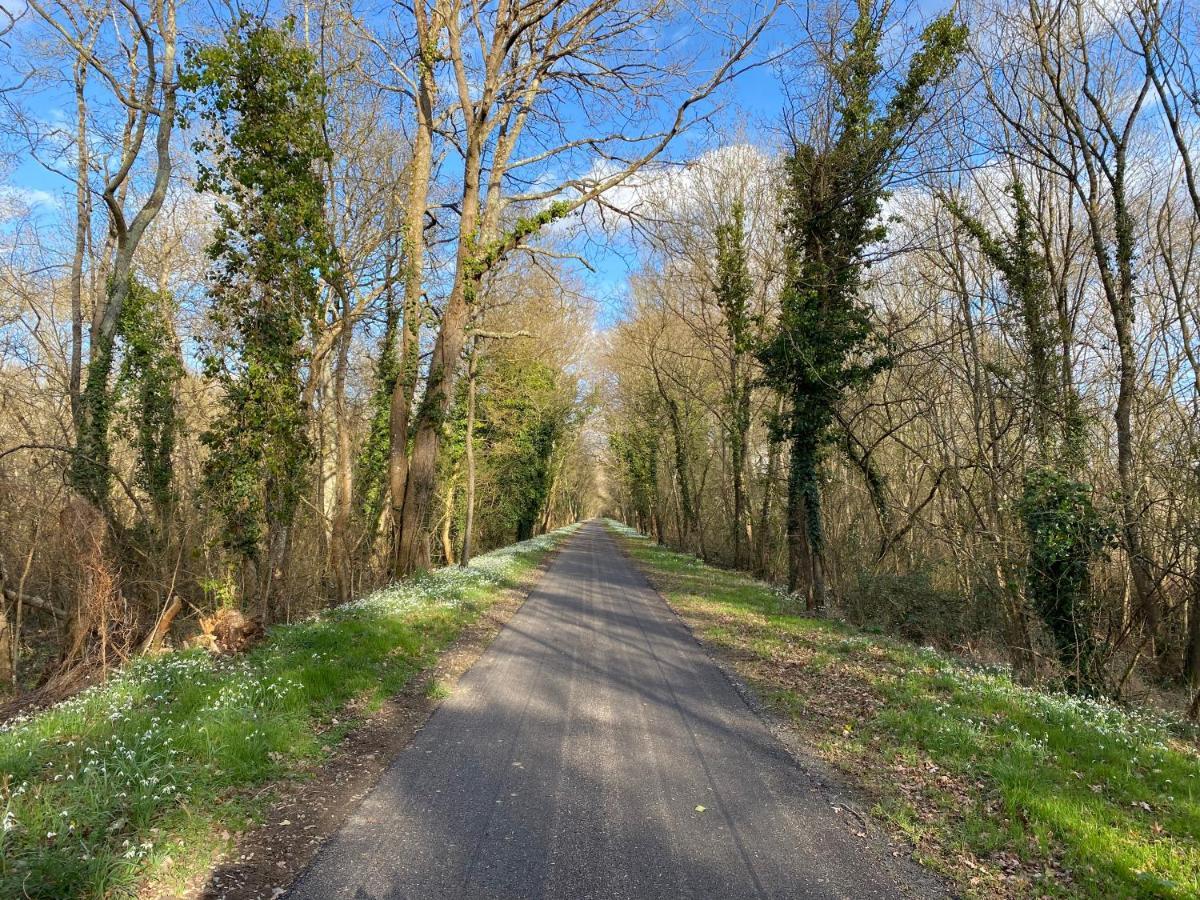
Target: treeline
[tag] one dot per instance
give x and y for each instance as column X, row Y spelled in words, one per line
column 934, row 361
column 285, row 315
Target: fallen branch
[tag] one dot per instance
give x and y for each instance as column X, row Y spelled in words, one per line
column 35, row 602
column 165, row 618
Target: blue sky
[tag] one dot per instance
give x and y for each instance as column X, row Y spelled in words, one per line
column 750, row 110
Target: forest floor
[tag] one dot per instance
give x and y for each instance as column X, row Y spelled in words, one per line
column 1009, row 791
column 187, row 761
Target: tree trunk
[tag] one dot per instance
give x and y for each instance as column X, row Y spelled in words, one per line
column 737, row 461
column 687, row 510
column 805, row 571
column 1192, row 662
column 448, row 519
column 273, row 606
column 89, row 472
column 762, row 542
column 83, row 218
column 420, row 168
column 162, row 626
column 341, row 544
column 1121, row 302
column 469, row 527
column 738, row 440
column 548, row 511
column 421, row 483
column 8, row 672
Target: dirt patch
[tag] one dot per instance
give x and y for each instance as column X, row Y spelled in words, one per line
column 265, row 860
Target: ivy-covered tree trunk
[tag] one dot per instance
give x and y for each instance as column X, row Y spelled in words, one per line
column 733, row 290
column 683, row 476
column 371, row 488
column 412, row 540
column 1063, row 529
column 90, row 471
column 806, row 572
column 825, row 345
column 146, row 387
column 738, row 443
column 469, row 524
column 412, row 552
column 260, row 93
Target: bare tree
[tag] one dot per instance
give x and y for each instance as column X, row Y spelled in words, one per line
column 531, row 57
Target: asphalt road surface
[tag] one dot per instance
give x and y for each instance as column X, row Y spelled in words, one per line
column 595, row 751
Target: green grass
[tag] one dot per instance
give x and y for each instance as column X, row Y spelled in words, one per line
column 145, row 776
column 1010, row 790
column 436, row 690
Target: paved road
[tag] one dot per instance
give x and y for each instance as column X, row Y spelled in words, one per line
column 571, row 760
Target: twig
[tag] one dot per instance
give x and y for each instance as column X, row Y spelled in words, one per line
column 58, row 448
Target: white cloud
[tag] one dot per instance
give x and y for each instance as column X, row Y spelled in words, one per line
column 678, row 190
column 17, row 200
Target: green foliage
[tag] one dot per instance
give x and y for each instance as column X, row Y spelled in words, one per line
column 1065, row 534
column 734, row 285
column 147, row 382
column 1022, row 264
column 148, row 375
column 824, row 345
column 90, row 471
column 636, row 449
column 918, row 606
column 526, row 409
column 371, row 465
column 1063, row 528
column 260, row 94
column 733, row 295
column 486, row 256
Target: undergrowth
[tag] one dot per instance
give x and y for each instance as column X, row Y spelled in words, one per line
column 147, row 774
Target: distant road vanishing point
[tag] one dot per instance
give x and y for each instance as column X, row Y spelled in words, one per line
column 595, row 751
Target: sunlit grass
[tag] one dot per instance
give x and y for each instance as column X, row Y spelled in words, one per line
column 144, row 774
column 1092, row 798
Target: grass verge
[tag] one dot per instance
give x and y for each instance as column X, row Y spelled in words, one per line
column 146, row 775
column 1008, row 790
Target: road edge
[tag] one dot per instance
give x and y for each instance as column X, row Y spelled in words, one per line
column 894, row 850
column 268, row 858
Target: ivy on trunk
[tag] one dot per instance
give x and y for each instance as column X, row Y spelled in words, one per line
column 824, row 345
column 259, row 92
